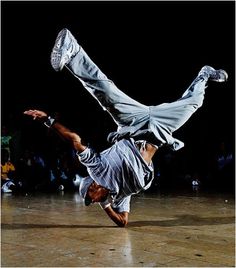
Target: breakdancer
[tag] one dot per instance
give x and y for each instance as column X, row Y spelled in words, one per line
column 126, row 167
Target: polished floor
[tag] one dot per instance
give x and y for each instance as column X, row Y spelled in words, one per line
column 165, row 230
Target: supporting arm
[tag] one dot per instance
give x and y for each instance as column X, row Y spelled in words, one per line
column 120, row 218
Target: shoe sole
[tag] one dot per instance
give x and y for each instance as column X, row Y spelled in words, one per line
column 56, row 55
column 209, row 68
column 223, row 79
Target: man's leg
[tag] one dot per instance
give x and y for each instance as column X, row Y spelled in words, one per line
column 123, row 109
column 173, row 115
column 162, row 119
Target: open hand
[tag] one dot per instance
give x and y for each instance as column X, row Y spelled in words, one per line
column 36, row 114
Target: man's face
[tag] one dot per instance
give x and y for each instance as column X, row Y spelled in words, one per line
column 97, row 193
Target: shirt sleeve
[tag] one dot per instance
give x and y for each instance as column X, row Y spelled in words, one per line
column 122, row 205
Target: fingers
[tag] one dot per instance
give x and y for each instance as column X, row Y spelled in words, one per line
column 32, row 113
column 29, row 112
column 35, row 113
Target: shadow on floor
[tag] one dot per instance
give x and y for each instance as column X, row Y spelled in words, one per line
column 8, row 226
column 185, row 220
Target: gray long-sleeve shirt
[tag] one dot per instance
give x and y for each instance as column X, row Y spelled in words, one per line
column 121, row 169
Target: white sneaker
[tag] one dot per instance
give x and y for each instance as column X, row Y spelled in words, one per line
column 77, row 180
column 64, row 49
column 6, row 187
column 214, row 75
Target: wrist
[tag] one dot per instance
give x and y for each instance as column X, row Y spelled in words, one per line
column 104, row 204
column 49, row 121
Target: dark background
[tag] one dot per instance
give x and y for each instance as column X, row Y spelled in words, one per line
column 151, row 50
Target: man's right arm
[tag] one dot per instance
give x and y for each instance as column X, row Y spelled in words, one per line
column 64, row 132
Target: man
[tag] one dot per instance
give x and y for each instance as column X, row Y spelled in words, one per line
column 126, row 167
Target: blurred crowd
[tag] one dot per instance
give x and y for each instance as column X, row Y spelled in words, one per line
column 28, row 169
column 30, row 164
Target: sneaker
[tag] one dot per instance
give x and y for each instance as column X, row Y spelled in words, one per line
column 214, row 75
column 61, row 187
column 8, row 186
column 77, row 180
column 64, row 49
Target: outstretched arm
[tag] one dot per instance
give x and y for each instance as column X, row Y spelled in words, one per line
column 64, row 132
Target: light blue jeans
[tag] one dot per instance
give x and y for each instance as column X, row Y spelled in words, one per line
column 155, row 124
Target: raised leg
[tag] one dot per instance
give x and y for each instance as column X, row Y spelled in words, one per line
column 67, row 52
column 123, row 109
column 172, row 116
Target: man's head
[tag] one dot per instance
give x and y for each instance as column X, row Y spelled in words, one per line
column 92, row 192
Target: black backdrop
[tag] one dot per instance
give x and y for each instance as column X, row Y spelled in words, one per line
column 152, row 50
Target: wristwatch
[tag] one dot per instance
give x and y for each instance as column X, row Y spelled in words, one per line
column 49, row 122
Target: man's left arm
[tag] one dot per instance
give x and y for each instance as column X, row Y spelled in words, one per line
column 120, row 218
column 118, row 211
